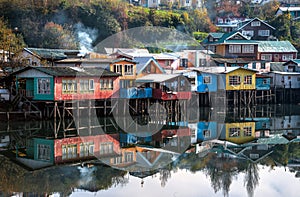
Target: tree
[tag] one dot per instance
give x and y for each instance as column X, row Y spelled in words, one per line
column 57, row 37
column 12, row 43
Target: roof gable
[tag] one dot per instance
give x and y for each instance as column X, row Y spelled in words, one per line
column 255, row 19
column 143, row 62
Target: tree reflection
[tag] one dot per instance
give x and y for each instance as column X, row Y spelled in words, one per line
column 58, row 179
column 251, row 180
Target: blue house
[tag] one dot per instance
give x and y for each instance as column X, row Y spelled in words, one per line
column 128, row 138
column 263, row 82
column 144, row 66
column 207, row 131
column 201, row 82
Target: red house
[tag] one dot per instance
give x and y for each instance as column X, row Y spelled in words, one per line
column 167, row 86
column 66, row 83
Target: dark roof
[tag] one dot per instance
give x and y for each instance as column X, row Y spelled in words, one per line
column 71, row 71
column 55, row 54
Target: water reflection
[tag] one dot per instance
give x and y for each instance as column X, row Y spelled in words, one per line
column 100, row 154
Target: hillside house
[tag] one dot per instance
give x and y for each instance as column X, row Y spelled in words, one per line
column 231, row 45
column 256, row 29
column 276, row 51
column 46, row 57
column 292, row 65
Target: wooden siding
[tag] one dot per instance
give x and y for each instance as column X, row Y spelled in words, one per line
column 241, row 137
column 221, row 50
column 96, row 141
column 210, row 127
column 97, row 93
column 123, row 63
column 242, row 73
column 263, row 83
column 150, row 69
column 207, row 87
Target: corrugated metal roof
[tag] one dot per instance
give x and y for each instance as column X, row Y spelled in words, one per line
column 55, row 54
column 276, row 46
column 276, row 66
column 71, row 71
column 221, row 69
column 156, row 78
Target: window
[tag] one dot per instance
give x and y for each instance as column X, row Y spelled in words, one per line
column 247, row 131
column 266, row 57
column 206, row 79
column 192, row 80
column 106, row 84
column 263, row 65
column 44, row 152
column 128, row 69
column 254, row 65
column 286, row 57
column 184, row 62
column 234, row 48
column 264, row 32
column 206, row 133
column 69, row 151
column 128, row 157
column 43, row 86
column 117, row 160
column 255, row 23
column 118, row 68
column 248, row 80
column 265, row 81
column 234, row 132
column 248, row 33
column 86, row 149
column 234, row 80
column 248, row 49
column 84, row 85
column 91, row 84
column 106, row 148
column 69, row 86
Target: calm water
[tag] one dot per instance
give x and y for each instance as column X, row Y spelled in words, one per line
column 213, row 152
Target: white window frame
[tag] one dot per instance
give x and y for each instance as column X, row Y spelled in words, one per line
column 118, row 68
column 234, row 80
column 248, row 80
column 264, row 32
column 128, row 69
column 206, row 79
column 287, row 57
column 43, row 86
column 234, row 132
column 248, row 48
column 255, row 23
column 247, row 131
column 248, row 33
column 267, row 57
column 235, row 48
column 91, row 84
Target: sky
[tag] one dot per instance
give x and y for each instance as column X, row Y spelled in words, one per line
column 272, row 183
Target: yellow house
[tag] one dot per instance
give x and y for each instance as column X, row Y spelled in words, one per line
column 238, row 78
column 240, row 132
